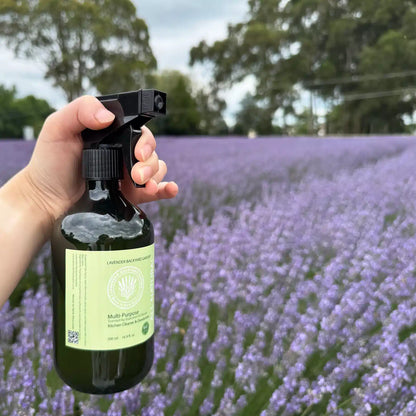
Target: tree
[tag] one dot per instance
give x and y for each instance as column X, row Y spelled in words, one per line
column 210, row 107
column 305, row 123
column 190, row 110
column 182, row 114
column 18, row 112
column 393, row 52
column 251, row 116
column 83, row 43
column 308, row 43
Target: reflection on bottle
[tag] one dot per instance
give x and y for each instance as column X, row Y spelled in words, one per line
column 101, row 363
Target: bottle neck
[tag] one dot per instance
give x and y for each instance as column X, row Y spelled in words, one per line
column 102, row 185
column 97, row 190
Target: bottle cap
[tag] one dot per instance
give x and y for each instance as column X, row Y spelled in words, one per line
column 102, row 163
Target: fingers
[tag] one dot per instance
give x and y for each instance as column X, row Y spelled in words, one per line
column 152, row 192
column 144, row 152
column 71, row 120
column 161, row 173
column 145, row 146
column 154, row 189
column 167, row 190
column 163, row 190
column 143, row 171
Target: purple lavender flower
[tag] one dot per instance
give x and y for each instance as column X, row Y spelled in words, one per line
column 285, row 273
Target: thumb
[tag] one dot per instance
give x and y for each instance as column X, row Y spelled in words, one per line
column 84, row 112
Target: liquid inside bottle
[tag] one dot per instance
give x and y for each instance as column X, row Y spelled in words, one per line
column 103, row 291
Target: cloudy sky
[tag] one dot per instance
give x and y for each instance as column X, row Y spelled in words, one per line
column 174, row 25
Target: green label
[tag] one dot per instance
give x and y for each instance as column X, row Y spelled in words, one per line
column 109, row 298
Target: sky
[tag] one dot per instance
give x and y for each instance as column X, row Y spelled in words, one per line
column 174, row 26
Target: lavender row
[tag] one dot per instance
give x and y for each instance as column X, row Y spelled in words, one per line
column 322, row 278
column 296, row 298
column 216, row 173
column 14, row 155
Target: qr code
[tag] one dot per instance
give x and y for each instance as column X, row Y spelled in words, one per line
column 73, row 337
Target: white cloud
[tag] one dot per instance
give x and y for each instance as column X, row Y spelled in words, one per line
column 182, row 24
column 27, row 76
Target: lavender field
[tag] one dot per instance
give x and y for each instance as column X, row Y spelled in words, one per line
column 285, row 285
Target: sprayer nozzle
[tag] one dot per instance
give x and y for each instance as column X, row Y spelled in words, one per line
column 153, row 102
column 145, row 102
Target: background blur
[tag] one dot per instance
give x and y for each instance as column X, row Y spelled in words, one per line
column 268, row 67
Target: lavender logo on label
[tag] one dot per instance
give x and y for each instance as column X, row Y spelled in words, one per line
column 125, row 287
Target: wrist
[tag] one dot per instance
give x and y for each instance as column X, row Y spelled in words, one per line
column 23, row 196
column 25, row 226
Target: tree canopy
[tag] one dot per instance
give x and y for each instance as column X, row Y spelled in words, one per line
column 329, row 48
column 19, row 112
column 190, row 110
column 82, row 43
column 253, row 117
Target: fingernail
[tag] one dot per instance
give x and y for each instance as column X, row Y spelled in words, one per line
column 104, row 116
column 146, row 151
column 145, row 173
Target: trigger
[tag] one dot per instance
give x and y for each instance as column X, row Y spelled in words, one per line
column 134, row 138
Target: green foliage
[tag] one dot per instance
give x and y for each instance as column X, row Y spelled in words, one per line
column 18, row 112
column 190, row 111
column 210, row 108
column 304, row 124
column 317, row 361
column 10, row 125
column 253, row 116
column 284, row 44
column 83, row 44
column 30, row 280
column 183, row 116
column 406, row 331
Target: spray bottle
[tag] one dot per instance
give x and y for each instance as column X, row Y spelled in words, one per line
column 103, row 261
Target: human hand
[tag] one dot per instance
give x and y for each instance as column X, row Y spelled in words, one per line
column 53, row 174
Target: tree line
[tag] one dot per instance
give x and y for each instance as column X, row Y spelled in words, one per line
column 191, row 111
column 356, row 59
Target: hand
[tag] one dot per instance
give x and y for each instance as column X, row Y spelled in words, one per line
column 53, row 173
column 149, row 171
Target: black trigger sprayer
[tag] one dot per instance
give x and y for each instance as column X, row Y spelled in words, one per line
column 132, row 110
column 103, row 261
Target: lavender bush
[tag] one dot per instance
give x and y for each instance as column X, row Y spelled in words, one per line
column 285, row 285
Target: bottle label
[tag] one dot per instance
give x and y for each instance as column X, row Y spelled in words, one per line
column 109, row 298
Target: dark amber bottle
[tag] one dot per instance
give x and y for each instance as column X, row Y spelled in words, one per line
column 103, row 284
